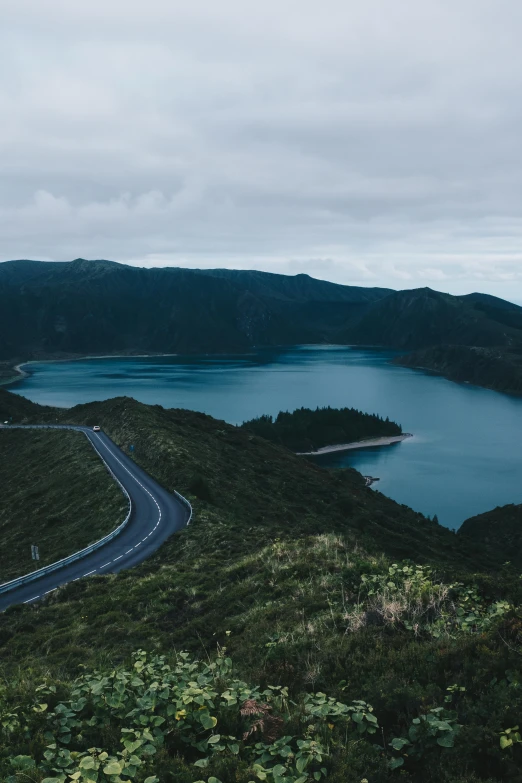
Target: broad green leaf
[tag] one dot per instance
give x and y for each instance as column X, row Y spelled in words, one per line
column 87, row 763
column 208, row 721
column 397, row 762
column 152, row 779
column 23, row 762
column 132, row 746
column 505, row 742
column 113, row 768
column 201, row 763
column 301, row 763
column 215, row 738
column 447, row 741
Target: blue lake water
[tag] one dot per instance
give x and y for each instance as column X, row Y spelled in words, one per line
column 465, row 456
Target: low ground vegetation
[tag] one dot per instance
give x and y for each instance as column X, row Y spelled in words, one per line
column 56, row 493
column 333, row 630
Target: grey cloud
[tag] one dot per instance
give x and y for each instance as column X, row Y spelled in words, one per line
column 373, row 143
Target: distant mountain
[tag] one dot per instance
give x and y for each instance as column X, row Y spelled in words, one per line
column 50, row 309
column 83, row 307
column 298, row 287
column 423, row 317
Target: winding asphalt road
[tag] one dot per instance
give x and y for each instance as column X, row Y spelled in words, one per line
column 155, row 515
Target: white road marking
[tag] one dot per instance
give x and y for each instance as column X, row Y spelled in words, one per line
column 132, row 476
column 91, row 435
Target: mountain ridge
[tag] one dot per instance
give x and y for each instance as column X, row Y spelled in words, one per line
column 77, row 308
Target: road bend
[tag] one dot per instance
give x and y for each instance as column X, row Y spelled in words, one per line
column 155, row 516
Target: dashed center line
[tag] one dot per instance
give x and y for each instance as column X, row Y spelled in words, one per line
column 34, row 598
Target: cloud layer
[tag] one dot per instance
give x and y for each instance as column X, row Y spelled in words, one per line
column 373, row 143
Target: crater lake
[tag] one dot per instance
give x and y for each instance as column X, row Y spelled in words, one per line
column 464, row 458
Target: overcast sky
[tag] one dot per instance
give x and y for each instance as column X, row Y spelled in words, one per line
column 373, row 143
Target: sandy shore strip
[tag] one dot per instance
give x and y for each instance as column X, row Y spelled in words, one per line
column 21, row 373
column 7, row 380
column 359, row 444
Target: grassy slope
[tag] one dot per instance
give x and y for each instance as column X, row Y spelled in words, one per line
column 184, row 591
column 275, row 556
column 500, row 530
column 20, row 409
column 55, row 493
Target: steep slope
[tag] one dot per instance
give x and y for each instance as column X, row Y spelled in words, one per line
column 56, row 493
column 493, row 368
column 86, row 307
column 500, row 530
column 422, row 317
column 19, row 410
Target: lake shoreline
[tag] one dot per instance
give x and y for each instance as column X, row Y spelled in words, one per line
column 21, row 373
column 359, row 444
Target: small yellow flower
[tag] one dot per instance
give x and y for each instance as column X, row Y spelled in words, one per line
column 180, row 714
column 330, row 726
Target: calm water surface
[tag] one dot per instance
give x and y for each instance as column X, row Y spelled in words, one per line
column 465, row 456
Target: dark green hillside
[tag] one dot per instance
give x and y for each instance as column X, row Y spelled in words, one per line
column 494, row 368
column 56, row 493
column 312, row 582
column 308, row 430
column 423, row 317
column 300, row 288
column 82, row 307
column 17, row 409
column 499, row 530
column 65, row 310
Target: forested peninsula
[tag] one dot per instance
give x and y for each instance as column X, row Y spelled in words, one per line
column 307, row 430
